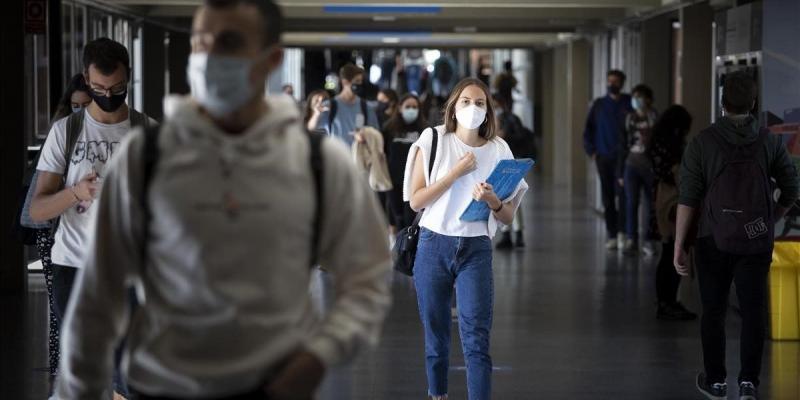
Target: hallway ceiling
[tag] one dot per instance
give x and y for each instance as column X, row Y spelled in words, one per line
column 502, row 23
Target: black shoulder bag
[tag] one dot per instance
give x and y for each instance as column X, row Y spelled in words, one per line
column 405, row 247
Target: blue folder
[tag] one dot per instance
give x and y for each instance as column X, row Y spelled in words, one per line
column 504, row 179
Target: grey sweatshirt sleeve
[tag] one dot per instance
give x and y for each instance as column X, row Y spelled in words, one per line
column 354, row 248
column 785, row 174
column 98, row 312
column 692, row 182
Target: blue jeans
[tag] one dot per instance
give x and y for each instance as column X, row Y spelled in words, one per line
column 466, row 262
column 636, row 182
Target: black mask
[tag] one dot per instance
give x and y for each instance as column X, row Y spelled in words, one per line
column 109, row 104
column 382, row 107
column 357, row 88
column 615, row 90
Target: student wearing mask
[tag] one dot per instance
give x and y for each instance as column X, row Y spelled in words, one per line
column 387, row 105
column 601, row 142
column 667, row 144
column 318, row 102
column 634, row 168
column 735, row 205
column 220, row 237
column 70, row 175
column 75, row 98
column 399, row 133
column 452, row 252
column 349, row 111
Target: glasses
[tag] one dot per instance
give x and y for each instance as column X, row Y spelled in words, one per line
column 115, row 90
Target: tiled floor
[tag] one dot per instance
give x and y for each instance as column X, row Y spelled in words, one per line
column 571, row 322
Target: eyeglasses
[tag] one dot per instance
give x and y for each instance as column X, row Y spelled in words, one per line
column 115, row 90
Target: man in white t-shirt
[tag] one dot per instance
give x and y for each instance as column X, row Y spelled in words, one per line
column 104, row 123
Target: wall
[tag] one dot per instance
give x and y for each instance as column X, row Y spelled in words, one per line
column 656, row 71
column 546, row 94
column 696, row 63
column 579, row 96
column 561, row 165
column 154, row 65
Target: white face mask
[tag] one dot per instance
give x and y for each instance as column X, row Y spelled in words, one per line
column 471, row 117
column 220, row 84
column 410, row 115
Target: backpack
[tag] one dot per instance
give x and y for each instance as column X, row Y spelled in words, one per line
column 151, row 155
column 520, row 139
column 25, row 227
column 404, row 251
column 738, row 206
column 335, row 108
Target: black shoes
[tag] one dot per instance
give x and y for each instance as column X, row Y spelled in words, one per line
column 518, row 240
column 505, row 241
column 712, row 391
column 674, row 312
column 748, row 391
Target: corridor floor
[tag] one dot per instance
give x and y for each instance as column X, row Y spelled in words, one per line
column 571, row 321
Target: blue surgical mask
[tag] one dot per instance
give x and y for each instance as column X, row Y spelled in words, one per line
column 221, row 84
column 76, row 110
column 636, row 103
column 410, row 115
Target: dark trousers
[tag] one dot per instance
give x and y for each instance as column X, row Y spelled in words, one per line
column 667, row 279
column 63, row 281
column 612, row 193
column 716, row 270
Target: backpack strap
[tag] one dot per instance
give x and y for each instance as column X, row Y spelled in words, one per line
column 315, row 160
column 74, row 129
column 138, row 119
column 364, row 111
column 150, row 156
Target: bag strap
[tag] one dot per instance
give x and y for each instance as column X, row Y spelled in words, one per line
column 138, row 119
column 315, row 160
column 431, row 160
column 364, row 111
column 150, row 156
column 74, row 129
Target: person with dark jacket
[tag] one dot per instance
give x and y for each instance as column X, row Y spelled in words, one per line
column 736, row 228
column 668, row 141
column 399, row 133
column 600, row 139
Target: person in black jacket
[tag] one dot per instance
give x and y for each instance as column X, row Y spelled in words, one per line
column 667, row 143
column 399, row 133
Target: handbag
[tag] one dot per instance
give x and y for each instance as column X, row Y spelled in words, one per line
column 404, row 251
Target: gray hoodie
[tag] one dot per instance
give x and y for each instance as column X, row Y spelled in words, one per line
column 703, row 160
column 225, row 285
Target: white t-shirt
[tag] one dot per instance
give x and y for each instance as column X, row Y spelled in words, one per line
column 93, row 149
column 443, row 216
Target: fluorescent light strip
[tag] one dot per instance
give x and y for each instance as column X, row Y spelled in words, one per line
column 380, row 9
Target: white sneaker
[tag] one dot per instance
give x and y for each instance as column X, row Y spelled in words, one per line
column 621, row 240
column 611, row 244
column 649, row 249
column 629, row 246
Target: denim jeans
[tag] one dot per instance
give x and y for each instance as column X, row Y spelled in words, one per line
column 716, row 270
column 466, row 262
column 636, row 182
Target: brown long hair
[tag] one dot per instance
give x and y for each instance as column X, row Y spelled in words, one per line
column 488, row 129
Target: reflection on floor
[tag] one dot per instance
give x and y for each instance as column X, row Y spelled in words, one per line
column 572, row 321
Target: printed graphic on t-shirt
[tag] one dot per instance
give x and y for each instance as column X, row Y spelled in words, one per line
column 93, row 151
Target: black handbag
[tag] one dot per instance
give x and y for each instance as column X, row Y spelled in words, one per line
column 405, row 246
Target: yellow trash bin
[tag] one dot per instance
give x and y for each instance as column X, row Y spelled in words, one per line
column 784, row 282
